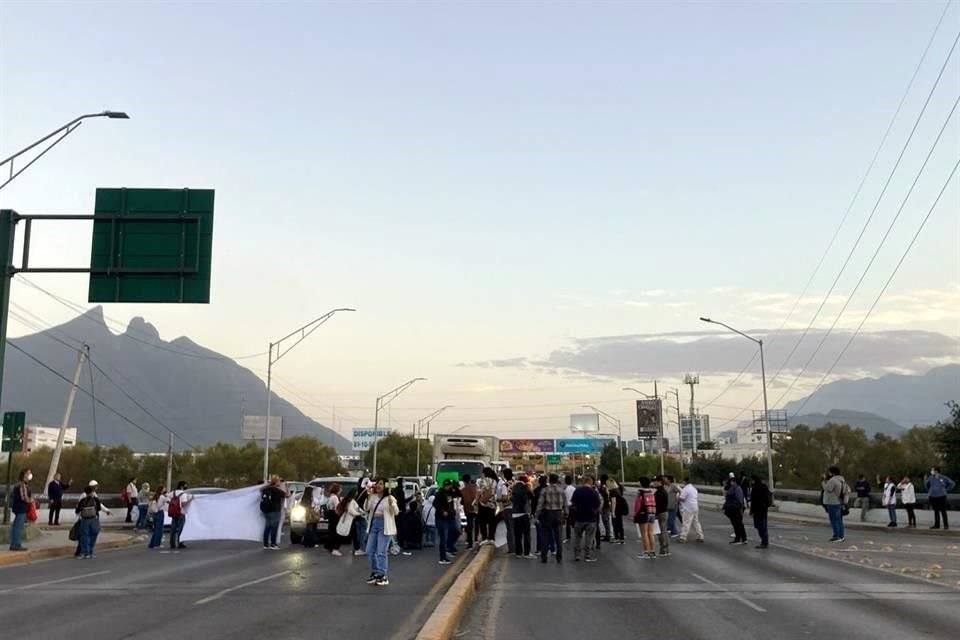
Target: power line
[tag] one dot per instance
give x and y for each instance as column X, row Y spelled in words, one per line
column 886, row 284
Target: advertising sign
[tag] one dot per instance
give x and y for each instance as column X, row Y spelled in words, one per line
column 363, row 437
column 648, row 419
column 582, row 445
column 254, row 428
column 585, row 422
column 514, row 447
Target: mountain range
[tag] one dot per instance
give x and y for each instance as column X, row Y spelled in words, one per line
column 199, row 394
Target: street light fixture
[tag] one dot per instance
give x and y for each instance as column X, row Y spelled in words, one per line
column 419, row 428
column 304, row 332
column 66, row 130
column 616, row 421
column 766, row 410
column 382, row 402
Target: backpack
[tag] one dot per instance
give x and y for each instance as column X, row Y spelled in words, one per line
column 88, row 508
column 174, row 508
column 125, row 496
column 621, row 508
column 268, row 500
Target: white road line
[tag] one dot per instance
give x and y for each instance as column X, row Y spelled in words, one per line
column 735, row 596
column 220, row 594
column 49, row 582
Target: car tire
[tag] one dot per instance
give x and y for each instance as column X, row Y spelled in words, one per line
column 295, row 538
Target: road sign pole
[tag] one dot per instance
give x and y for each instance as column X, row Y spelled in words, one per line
column 7, row 233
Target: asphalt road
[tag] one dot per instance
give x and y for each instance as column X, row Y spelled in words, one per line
column 219, row 590
column 716, row 590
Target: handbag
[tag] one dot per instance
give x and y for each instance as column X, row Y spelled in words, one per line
column 74, row 534
column 32, row 514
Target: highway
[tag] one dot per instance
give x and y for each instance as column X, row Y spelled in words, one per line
column 224, row 590
column 716, row 590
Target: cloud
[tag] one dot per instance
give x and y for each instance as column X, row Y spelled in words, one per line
column 673, row 354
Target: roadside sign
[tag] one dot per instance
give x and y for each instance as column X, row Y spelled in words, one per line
column 254, row 428
column 13, row 424
column 584, row 422
column 527, row 446
column 152, row 245
column 363, row 437
column 554, row 458
column 582, row 445
column 648, row 419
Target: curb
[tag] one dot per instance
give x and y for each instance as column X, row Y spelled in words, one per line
column 442, row 623
column 13, row 558
column 859, row 526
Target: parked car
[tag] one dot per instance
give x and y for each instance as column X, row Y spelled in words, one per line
column 298, row 514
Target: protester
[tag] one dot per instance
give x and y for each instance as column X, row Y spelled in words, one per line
column 311, row 518
column 662, row 498
column 360, row 521
column 620, row 509
column 521, row 501
column 130, row 498
column 20, row 504
column 889, row 500
column 88, row 508
column 446, row 518
column 487, row 505
column 178, row 500
column 334, row 510
column 908, row 496
column 272, row 497
column 862, row 487
column 605, row 512
column 587, row 504
column 568, row 494
column 382, row 510
column 690, row 508
column 673, row 504
column 834, row 499
column 429, row 517
column 733, row 507
column 504, row 502
column 351, row 514
column 760, row 503
column 410, row 529
column 400, row 494
column 55, row 491
column 143, row 505
column 644, row 516
column 551, row 511
column 938, row 486
column 469, row 503
column 156, row 511
column 537, row 493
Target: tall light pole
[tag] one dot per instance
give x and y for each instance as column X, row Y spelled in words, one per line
column 655, row 396
column 676, row 393
column 383, row 401
column 615, row 421
column 300, row 335
column 766, row 410
column 65, row 130
column 427, row 420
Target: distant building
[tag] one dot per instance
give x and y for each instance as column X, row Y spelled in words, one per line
column 693, row 432
column 38, row 435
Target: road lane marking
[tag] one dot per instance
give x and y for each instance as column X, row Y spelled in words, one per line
column 735, row 596
column 49, row 582
column 220, row 594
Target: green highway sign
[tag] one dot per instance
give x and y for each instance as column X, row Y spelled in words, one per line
column 13, row 424
column 554, row 458
column 152, row 245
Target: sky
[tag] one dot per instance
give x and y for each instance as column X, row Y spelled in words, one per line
column 505, row 190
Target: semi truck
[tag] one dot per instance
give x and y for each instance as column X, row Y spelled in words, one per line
column 455, row 456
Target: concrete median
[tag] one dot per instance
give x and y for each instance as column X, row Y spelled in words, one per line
column 442, row 623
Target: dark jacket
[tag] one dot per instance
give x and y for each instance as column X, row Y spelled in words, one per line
column 17, row 504
column 662, row 499
column 521, row 498
column 586, row 504
column 862, row 488
column 443, row 503
column 733, row 497
column 55, row 490
column 761, row 500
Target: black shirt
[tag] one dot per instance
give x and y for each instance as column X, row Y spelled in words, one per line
column 271, row 499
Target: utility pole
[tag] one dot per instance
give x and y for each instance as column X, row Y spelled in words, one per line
column 170, row 463
column 691, row 379
column 82, row 354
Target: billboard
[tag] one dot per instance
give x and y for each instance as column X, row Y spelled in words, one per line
column 254, row 428
column 582, row 445
column 648, row 419
column 363, row 437
column 514, row 447
column 585, row 422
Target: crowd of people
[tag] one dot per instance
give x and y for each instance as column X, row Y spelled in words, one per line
column 902, row 491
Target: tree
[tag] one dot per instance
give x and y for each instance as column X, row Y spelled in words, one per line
column 397, row 455
column 304, row 458
column 948, row 441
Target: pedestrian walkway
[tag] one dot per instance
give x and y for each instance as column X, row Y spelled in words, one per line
column 56, row 542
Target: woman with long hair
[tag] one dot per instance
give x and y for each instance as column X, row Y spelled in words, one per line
column 334, row 511
column 311, row 518
column 350, row 515
column 487, row 505
column 645, row 515
column 908, row 496
column 156, row 514
column 382, row 511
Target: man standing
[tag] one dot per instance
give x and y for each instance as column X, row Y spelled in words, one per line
column 469, row 501
column 605, row 519
column 505, row 501
column 834, row 495
column 690, row 508
column 862, row 487
column 551, row 509
column 175, row 503
column 272, row 497
column 55, row 492
column 673, row 503
column 446, row 518
column 568, row 495
column 938, row 486
column 760, row 503
column 522, row 498
column 587, row 504
column 662, row 498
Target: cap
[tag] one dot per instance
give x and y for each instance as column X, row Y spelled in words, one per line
column 732, row 475
column 93, row 483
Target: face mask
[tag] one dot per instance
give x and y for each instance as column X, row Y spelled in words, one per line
column 29, row 477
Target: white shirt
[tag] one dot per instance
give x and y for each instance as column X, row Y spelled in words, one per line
column 568, row 491
column 132, row 493
column 689, row 499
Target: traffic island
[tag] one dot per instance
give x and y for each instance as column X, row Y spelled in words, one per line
column 442, row 623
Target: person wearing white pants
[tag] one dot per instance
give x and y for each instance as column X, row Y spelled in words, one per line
column 690, row 508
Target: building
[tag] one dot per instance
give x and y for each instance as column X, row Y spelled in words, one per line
column 692, row 433
column 38, row 435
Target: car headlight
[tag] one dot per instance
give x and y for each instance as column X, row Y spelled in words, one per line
column 298, row 513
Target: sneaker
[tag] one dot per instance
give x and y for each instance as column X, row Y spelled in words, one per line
column 590, row 560
column 643, row 557
column 744, row 541
column 266, row 547
column 664, row 554
column 359, row 552
column 733, row 535
column 274, row 547
column 444, row 562
column 406, row 553
column 382, row 581
column 892, row 524
column 936, row 527
column 183, row 546
column 840, row 539
column 568, row 540
column 529, row 556
column 87, row 557
column 833, row 539
column 337, row 553
column 682, row 540
column 373, row 578
column 761, row 546
column 734, row 541
column 700, row 540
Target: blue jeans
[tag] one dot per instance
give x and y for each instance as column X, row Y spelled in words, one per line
column 429, row 536
column 176, row 528
column 836, row 519
column 360, row 529
column 141, row 517
column 271, row 525
column 892, row 511
column 16, row 530
column 157, row 538
column 672, row 522
column 760, row 524
column 444, row 528
column 89, row 530
column 378, row 546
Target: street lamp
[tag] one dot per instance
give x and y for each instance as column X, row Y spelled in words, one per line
column 655, row 396
column 420, row 422
column 382, row 402
column 67, row 129
column 676, row 393
column 766, row 410
column 461, row 428
column 301, row 334
column 616, row 421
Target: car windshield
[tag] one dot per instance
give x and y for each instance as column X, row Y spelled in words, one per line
column 455, row 470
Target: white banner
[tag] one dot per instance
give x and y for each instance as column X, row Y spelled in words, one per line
column 231, row 515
